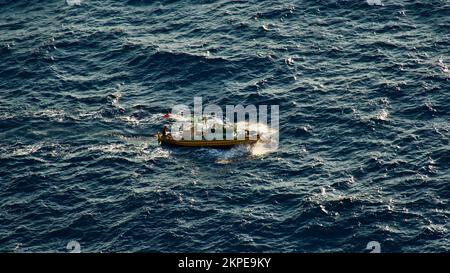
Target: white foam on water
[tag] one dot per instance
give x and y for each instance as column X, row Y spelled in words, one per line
column 260, row 148
column 112, row 148
column 27, row 150
column 267, row 143
column 383, row 115
column 116, row 98
column 130, row 120
column 52, row 114
column 7, row 116
column 229, row 156
column 73, row 2
column 148, row 155
column 374, row 2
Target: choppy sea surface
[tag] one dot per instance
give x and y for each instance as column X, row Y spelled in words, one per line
column 364, row 153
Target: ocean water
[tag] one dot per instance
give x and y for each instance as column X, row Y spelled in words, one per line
column 364, row 154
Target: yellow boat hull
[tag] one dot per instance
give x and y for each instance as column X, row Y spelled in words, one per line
column 204, row 143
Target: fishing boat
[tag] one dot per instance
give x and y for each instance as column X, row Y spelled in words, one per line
column 166, row 138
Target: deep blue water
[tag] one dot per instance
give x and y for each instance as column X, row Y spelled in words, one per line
column 364, row 151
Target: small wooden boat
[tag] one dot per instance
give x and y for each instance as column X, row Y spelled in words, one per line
column 223, row 144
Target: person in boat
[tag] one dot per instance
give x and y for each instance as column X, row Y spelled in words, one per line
column 165, row 131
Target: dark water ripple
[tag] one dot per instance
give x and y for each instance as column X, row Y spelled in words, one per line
column 364, row 150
